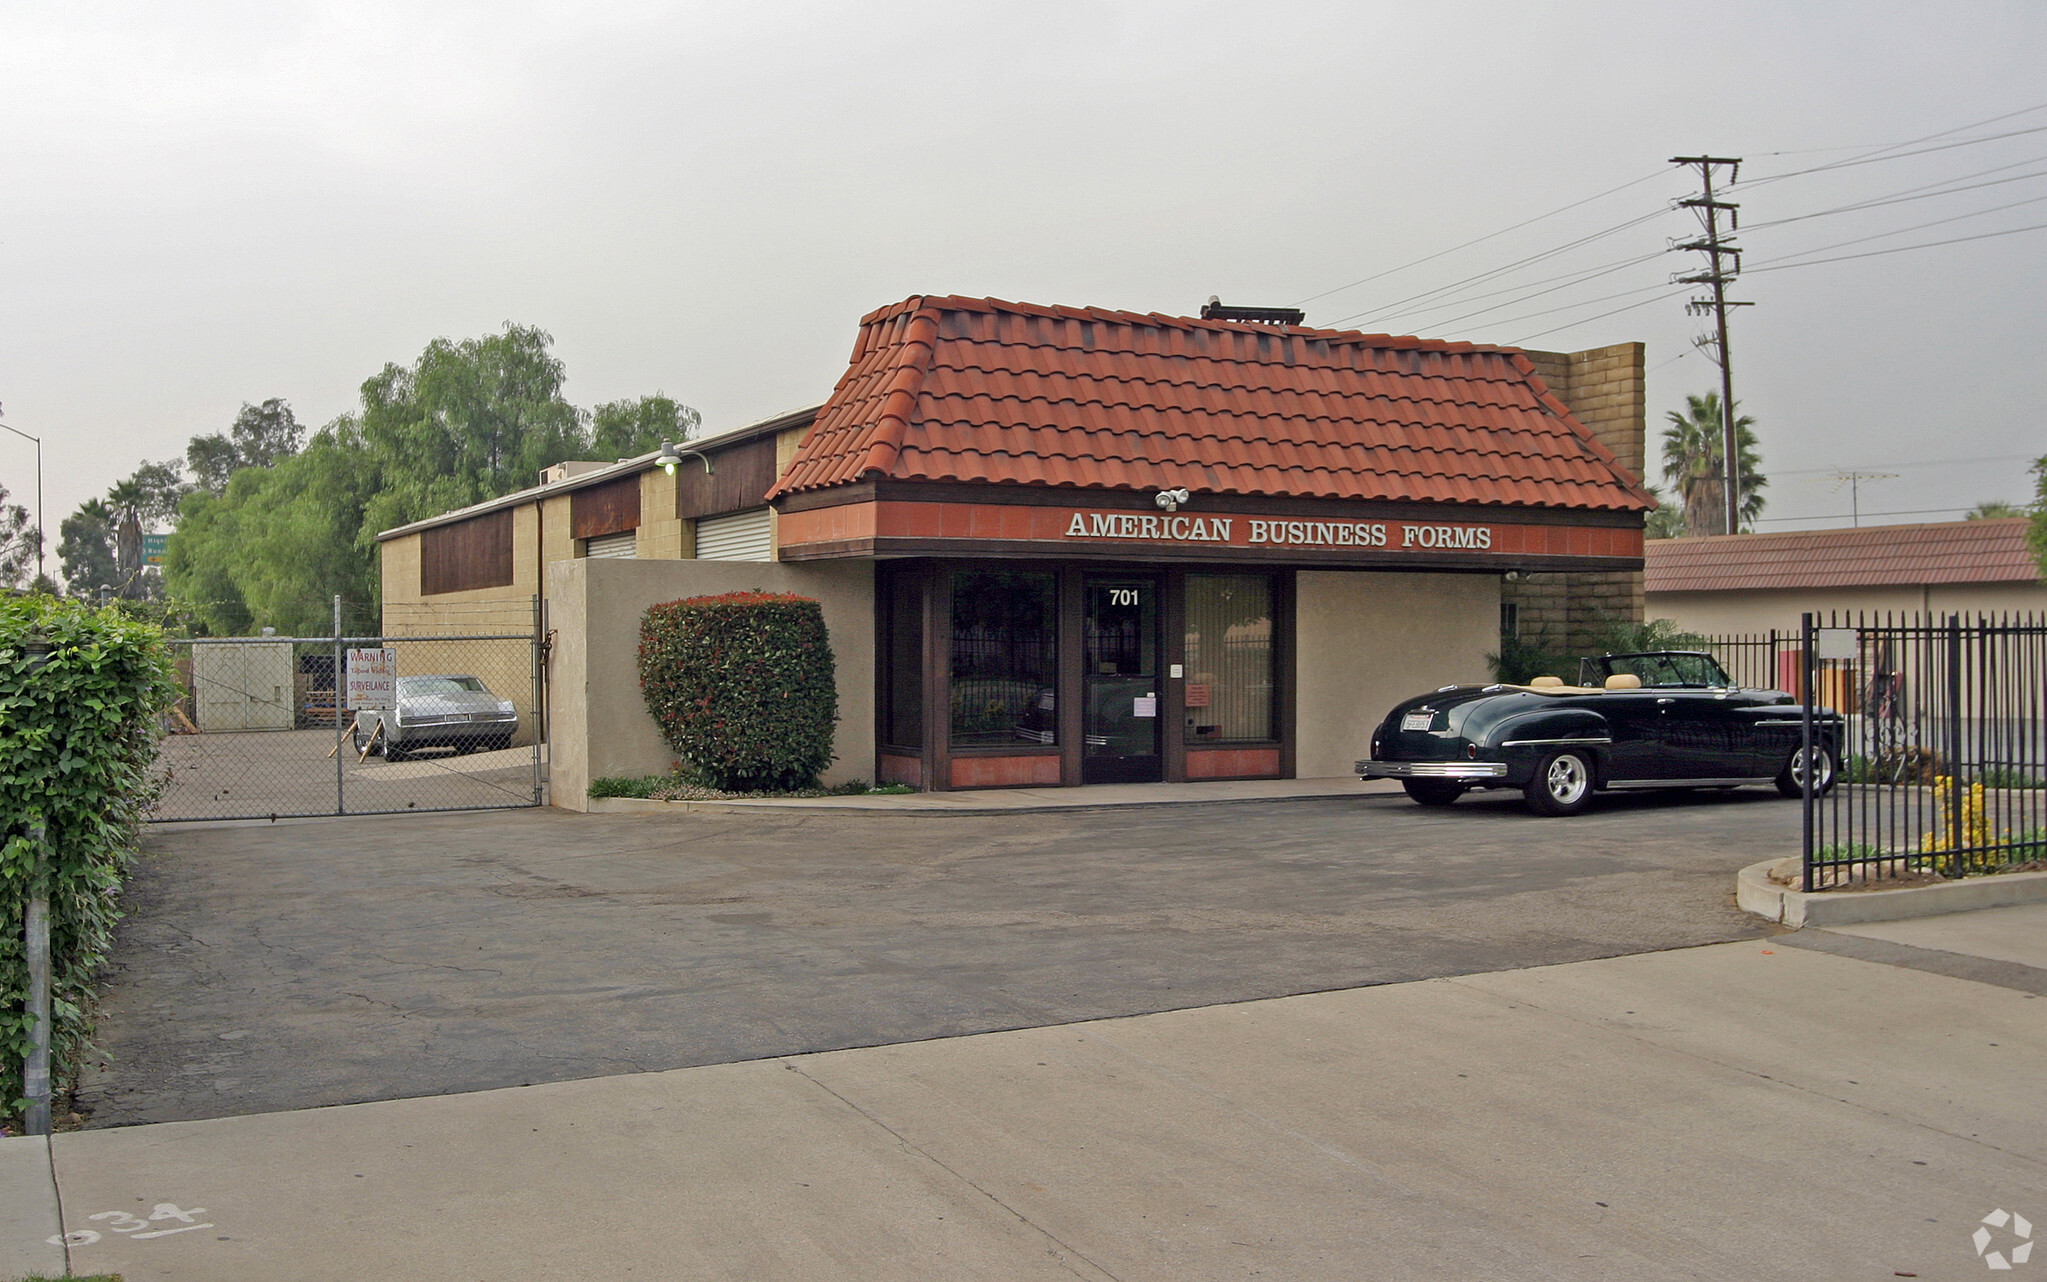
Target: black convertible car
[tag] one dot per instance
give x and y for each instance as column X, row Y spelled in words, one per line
column 1667, row 719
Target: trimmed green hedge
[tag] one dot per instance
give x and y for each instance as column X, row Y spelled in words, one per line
column 76, row 741
column 743, row 687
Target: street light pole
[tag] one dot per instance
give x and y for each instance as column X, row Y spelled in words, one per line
column 39, row 493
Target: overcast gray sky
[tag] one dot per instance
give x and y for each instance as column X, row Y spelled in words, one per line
column 211, row 203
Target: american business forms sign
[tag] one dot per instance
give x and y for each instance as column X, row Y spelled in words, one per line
column 1251, row 531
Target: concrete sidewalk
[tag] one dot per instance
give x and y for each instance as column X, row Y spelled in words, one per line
column 989, row 801
column 1744, row 1110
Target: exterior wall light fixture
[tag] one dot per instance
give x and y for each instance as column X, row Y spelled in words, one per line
column 1171, row 500
column 670, row 456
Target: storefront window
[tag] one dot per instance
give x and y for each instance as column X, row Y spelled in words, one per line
column 902, row 700
column 1005, row 658
column 1229, row 658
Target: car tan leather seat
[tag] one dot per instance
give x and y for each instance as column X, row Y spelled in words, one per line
column 1545, row 683
column 1624, row 681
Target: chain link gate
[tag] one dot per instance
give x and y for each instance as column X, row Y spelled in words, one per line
column 264, row 730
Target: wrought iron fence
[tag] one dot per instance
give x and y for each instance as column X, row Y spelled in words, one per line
column 1755, row 660
column 272, row 727
column 1944, row 759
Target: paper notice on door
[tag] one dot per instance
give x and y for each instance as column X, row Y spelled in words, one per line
column 1145, row 705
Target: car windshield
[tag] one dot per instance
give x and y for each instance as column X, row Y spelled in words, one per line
column 440, row 685
column 1662, row 671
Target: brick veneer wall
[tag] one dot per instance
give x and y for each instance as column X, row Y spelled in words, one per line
column 1605, row 387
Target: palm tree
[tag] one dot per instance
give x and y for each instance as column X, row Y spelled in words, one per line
column 1995, row 509
column 1667, row 521
column 1693, row 464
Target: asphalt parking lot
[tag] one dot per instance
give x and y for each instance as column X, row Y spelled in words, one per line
column 279, row 966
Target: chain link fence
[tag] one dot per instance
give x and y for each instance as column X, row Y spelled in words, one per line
column 271, row 727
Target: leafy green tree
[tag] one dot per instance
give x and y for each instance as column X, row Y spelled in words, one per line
column 1694, row 453
column 261, row 436
column 265, row 433
column 290, row 529
column 203, row 559
column 19, row 543
column 212, row 460
column 467, row 421
column 282, row 541
column 627, row 429
column 85, row 546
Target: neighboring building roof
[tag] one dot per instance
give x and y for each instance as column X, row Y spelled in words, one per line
column 1873, row 556
column 976, row 390
column 607, row 472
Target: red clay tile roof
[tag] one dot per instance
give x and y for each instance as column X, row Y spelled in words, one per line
column 1873, row 556
column 969, row 389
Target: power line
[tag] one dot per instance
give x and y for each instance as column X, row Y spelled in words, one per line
column 1573, row 278
column 1884, row 152
column 1392, row 309
column 1942, row 462
column 1602, row 316
column 1904, row 155
column 1583, row 302
column 1835, row 516
column 1773, row 265
column 1779, row 265
column 1881, row 152
column 1955, row 218
column 1914, row 193
column 1635, row 182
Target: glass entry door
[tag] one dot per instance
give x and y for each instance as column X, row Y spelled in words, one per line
column 1120, row 669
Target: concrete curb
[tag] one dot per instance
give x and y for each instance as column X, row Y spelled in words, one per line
column 1755, row 892
column 29, row 1217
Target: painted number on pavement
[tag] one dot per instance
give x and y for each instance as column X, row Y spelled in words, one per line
column 134, row 1226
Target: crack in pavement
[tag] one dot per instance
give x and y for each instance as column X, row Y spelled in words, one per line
column 917, row 1150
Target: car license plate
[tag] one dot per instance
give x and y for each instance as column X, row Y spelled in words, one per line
column 1417, row 720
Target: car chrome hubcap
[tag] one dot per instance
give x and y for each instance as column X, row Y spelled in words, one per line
column 1820, row 778
column 1566, row 779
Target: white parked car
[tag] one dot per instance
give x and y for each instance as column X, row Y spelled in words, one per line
column 449, row 710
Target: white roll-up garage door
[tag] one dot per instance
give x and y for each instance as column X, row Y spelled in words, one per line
column 617, row 547
column 739, row 536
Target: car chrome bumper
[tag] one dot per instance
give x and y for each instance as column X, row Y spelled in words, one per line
column 1432, row 769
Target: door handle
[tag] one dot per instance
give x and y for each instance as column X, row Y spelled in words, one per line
column 1661, row 702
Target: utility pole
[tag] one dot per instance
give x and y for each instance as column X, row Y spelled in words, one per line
column 1723, row 264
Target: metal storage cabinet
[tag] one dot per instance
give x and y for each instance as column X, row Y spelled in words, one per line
column 243, row 685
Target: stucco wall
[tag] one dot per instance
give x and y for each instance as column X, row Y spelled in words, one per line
column 600, row 726
column 1729, row 613
column 501, row 609
column 1366, row 641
